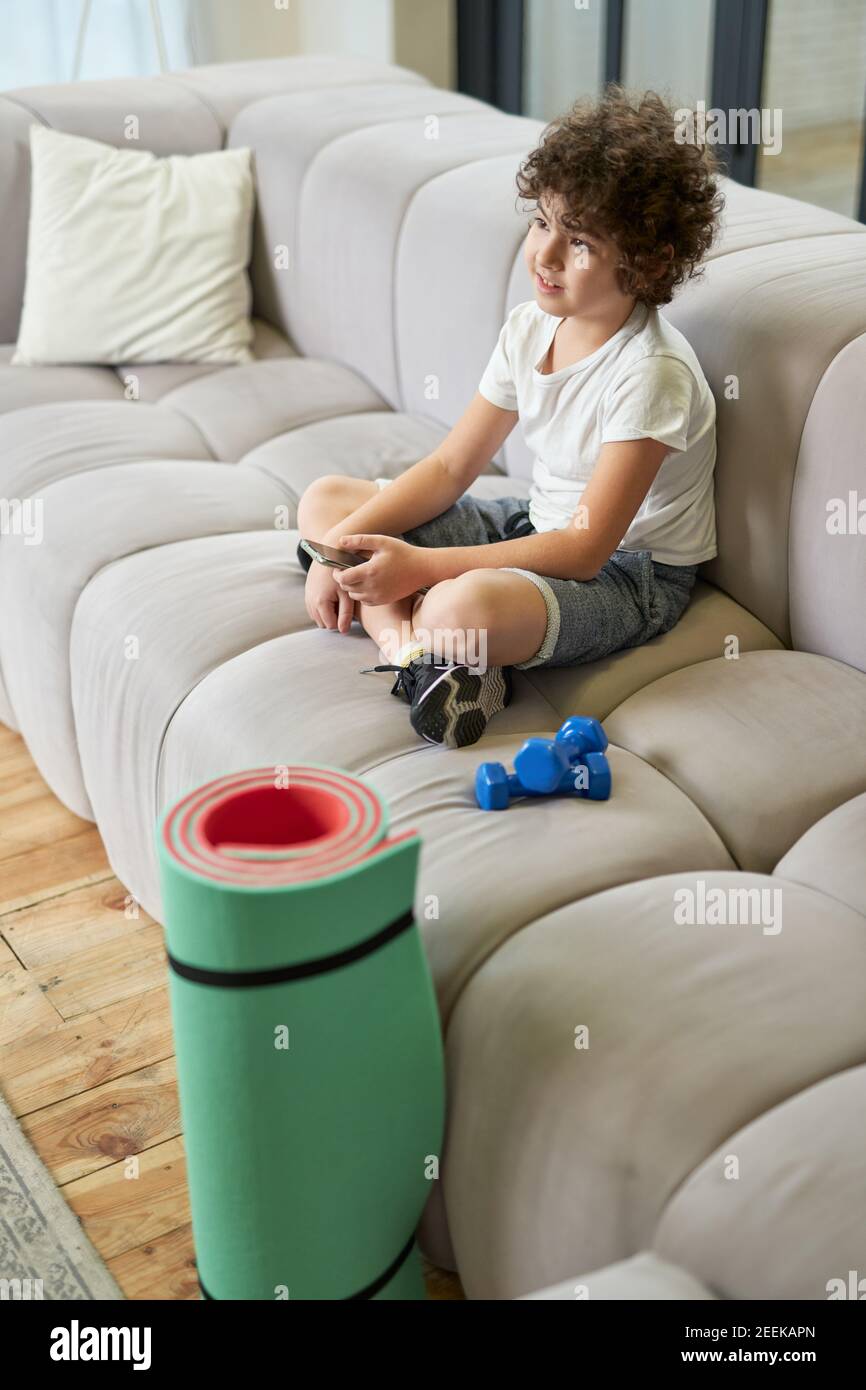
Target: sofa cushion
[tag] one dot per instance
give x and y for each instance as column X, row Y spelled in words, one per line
column 703, row 632
column 561, row 1158
column 91, row 520
column 349, row 315
column 226, row 88
column 43, row 443
column 827, row 541
column 150, row 381
column 238, row 408
column 645, row 1277
column 744, row 318
column 202, row 412
column 754, row 217
column 375, row 443
column 287, row 133
column 779, row 1209
column 831, row 856
column 22, row 386
column 766, row 744
column 146, row 630
column 556, row 849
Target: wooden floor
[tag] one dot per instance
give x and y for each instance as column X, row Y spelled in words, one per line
column 86, row 1053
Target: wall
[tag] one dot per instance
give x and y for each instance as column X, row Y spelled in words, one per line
column 418, row 34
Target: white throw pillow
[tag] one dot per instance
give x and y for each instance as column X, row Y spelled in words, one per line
column 133, row 258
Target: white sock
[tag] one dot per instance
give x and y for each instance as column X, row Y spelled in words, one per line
column 409, row 651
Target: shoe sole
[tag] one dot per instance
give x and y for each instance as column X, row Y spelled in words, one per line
column 456, row 709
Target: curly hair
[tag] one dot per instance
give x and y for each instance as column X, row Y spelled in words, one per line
column 621, row 173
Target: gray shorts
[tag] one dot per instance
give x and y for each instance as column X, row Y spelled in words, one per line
column 631, row 599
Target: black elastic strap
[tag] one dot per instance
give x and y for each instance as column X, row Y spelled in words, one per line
column 246, row 979
column 370, row 1290
column 518, row 524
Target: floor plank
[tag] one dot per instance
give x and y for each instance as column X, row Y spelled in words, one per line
column 127, row 1205
column 24, row 1009
column 48, row 870
column 92, row 1130
column 162, row 1269
column 74, row 921
column 105, row 974
column 58, row 1062
column 33, row 819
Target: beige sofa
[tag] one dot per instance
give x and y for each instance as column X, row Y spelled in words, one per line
column 708, row 1141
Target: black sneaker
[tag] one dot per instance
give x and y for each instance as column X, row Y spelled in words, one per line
column 451, row 702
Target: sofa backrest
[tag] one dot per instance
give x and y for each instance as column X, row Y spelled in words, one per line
column 389, row 238
column 186, row 112
column 778, row 324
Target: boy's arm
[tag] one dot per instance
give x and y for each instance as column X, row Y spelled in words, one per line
column 620, row 481
column 436, row 482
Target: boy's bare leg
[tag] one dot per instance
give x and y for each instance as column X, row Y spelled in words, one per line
column 497, row 608
column 490, row 617
column 485, row 618
column 324, row 506
column 390, row 624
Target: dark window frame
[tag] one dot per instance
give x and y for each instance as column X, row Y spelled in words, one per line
column 490, row 52
column 739, row 46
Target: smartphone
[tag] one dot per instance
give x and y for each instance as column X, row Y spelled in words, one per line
column 330, row 555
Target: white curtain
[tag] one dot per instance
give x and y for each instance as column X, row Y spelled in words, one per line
column 38, row 39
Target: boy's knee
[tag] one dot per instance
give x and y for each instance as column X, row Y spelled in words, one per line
column 465, row 601
column 324, row 489
column 333, row 493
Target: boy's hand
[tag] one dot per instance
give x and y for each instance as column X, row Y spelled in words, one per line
column 327, row 604
column 393, row 570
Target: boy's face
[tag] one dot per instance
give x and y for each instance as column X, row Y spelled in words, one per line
column 581, row 265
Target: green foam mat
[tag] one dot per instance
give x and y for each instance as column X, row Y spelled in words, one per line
column 307, row 1035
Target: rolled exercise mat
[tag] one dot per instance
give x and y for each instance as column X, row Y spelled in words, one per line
column 307, row 1035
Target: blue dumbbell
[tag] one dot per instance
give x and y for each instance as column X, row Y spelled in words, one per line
column 542, row 762
column 589, row 777
column 495, row 787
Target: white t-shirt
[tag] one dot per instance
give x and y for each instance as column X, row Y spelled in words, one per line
column 643, row 382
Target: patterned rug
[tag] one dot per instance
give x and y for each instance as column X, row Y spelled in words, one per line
column 44, row 1253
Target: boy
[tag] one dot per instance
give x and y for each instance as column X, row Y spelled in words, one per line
column 602, row 554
